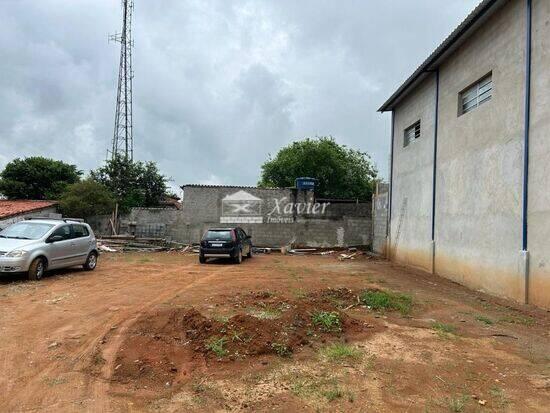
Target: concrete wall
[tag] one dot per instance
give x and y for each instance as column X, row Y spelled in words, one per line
column 380, row 204
column 336, row 224
column 539, row 156
column 271, row 224
column 410, row 240
column 50, row 212
column 479, row 165
column 478, row 216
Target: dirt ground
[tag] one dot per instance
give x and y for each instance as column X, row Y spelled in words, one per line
column 160, row 332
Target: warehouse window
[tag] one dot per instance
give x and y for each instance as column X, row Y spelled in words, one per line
column 411, row 134
column 475, row 95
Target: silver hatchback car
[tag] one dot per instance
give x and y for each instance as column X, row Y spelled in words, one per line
column 39, row 244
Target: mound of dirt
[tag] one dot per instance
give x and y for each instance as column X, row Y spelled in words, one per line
column 164, row 347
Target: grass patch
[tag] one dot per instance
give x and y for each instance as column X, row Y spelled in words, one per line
column 484, row 319
column 499, row 396
column 327, row 321
column 379, row 300
column 339, row 352
column 517, row 319
column 333, row 394
column 457, row 404
column 443, row 329
column 217, row 346
column 282, row 350
column 55, row 381
column 318, row 388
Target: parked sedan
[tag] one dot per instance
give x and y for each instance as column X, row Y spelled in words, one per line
column 225, row 242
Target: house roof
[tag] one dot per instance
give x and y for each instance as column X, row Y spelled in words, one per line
column 12, row 208
column 480, row 14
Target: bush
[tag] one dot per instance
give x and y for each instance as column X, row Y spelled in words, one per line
column 85, row 199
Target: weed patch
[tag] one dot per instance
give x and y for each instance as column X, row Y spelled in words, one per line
column 484, row 319
column 217, row 346
column 282, row 350
column 379, row 300
column 339, row 352
column 457, row 404
column 442, row 329
column 327, row 321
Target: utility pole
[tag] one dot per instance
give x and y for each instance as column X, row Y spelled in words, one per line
column 123, row 137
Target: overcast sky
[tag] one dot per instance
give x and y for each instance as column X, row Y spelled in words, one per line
column 219, row 84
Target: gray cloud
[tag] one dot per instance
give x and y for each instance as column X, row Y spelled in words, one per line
column 219, row 84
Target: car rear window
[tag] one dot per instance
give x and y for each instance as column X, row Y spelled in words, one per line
column 80, row 231
column 223, row 235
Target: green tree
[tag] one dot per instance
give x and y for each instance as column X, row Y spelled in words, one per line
column 134, row 184
column 341, row 172
column 85, row 199
column 37, row 178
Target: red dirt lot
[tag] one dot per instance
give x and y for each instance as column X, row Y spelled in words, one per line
column 160, row 332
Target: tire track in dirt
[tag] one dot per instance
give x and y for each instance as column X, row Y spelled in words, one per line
column 101, row 385
column 80, row 356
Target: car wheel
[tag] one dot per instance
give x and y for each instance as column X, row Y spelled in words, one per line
column 36, row 270
column 91, row 261
column 239, row 257
column 202, row 259
column 249, row 255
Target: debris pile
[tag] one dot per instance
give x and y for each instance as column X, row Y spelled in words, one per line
column 130, row 243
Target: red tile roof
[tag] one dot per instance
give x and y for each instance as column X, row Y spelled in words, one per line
column 12, row 208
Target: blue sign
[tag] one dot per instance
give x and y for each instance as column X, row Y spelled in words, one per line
column 306, row 183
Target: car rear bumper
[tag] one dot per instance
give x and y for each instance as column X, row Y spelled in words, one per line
column 218, row 252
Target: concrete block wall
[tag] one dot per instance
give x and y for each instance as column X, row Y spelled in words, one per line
column 380, row 222
column 410, row 239
column 480, row 163
column 480, row 160
column 340, row 224
column 538, row 288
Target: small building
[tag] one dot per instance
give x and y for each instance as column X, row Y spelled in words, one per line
column 14, row 211
column 470, row 194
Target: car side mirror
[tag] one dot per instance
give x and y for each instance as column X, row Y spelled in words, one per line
column 54, row 238
column 248, row 237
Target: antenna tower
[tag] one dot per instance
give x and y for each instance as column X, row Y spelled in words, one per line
column 123, row 138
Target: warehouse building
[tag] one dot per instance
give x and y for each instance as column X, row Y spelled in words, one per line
column 470, row 160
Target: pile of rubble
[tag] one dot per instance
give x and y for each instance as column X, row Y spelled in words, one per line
column 130, row 243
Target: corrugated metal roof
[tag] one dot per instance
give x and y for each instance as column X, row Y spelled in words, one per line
column 18, row 207
column 433, row 61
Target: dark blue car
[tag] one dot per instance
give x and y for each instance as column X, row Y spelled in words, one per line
column 225, row 243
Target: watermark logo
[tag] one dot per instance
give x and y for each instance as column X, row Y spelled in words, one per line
column 283, row 211
column 241, row 207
